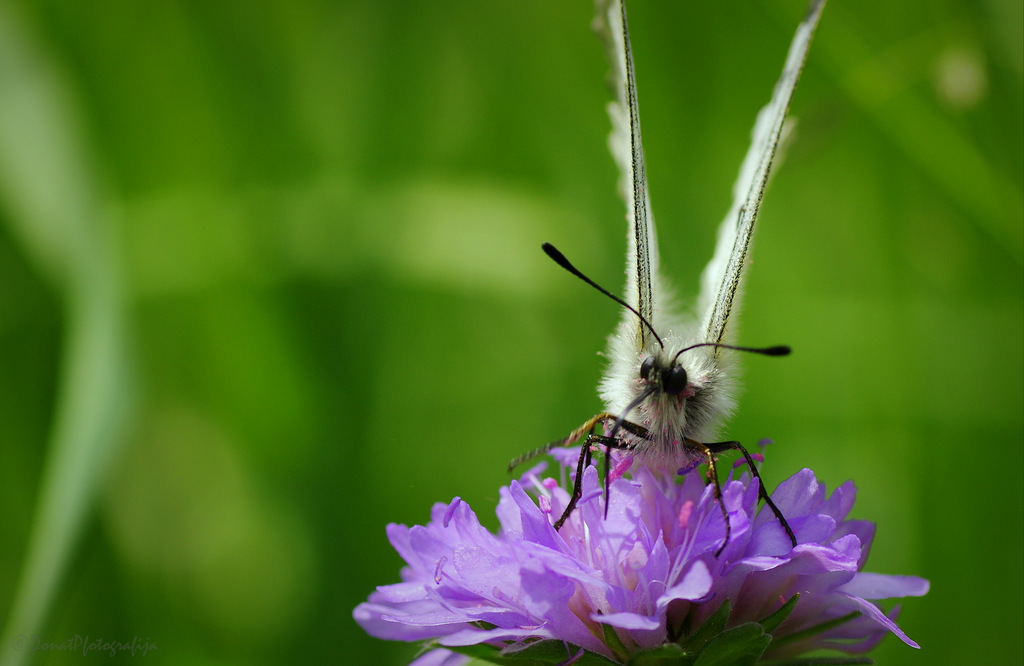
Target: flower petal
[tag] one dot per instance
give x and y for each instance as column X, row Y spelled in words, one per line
column 872, row 611
column 440, row 657
column 627, row 621
column 882, row 586
column 655, row 561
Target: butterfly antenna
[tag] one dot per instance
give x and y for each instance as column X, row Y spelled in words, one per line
column 560, row 259
column 777, row 350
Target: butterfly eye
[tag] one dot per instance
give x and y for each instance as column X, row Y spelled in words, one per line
column 646, row 368
column 674, row 380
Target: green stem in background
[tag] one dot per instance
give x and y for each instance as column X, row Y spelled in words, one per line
column 49, row 190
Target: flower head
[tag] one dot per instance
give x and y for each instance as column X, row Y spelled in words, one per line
column 643, row 578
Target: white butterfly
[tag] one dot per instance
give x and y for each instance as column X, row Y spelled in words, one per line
column 668, row 385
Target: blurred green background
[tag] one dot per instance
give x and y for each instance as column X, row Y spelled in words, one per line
column 270, row 278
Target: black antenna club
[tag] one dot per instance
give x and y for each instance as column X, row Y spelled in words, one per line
column 560, row 259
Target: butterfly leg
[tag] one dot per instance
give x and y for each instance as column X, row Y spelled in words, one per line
column 586, row 452
column 585, row 429
column 577, row 486
column 712, row 477
column 615, row 443
column 585, row 456
column 720, row 447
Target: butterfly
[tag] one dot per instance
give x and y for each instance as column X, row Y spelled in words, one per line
column 669, row 383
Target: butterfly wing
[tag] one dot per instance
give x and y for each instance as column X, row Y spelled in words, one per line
column 626, row 147
column 721, row 278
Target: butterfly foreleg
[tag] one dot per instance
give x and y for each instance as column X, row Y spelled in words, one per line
column 720, row 447
column 585, row 456
column 586, row 452
column 577, row 486
column 712, row 478
column 586, row 429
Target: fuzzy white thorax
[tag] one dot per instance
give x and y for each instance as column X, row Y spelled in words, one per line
column 696, row 414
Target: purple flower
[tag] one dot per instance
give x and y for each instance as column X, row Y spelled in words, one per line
column 644, row 578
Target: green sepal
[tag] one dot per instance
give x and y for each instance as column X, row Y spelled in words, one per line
column 554, row 652
column 740, row 646
column 669, row 654
column 713, row 626
column 537, row 653
column 480, row 651
column 772, row 622
column 817, row 629
column 614, row 643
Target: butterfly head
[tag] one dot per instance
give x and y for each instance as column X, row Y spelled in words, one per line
column 670, row 378
column 673, row 393
column 691, row 376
